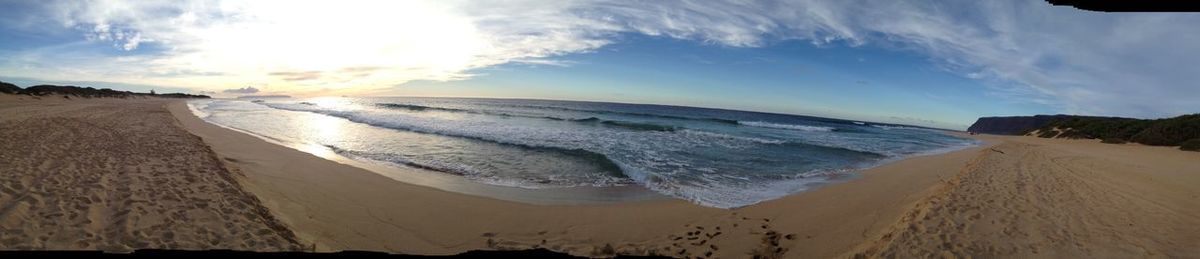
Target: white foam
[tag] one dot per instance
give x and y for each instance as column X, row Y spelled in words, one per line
column 763, row 124
column 197, row 108
column 896, row 127
column 726, row 136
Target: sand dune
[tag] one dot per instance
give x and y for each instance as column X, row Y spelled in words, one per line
column 118, row 175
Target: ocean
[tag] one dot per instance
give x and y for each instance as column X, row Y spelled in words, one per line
column 712, row 157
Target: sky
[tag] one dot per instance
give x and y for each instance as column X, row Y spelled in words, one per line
column 929, row 63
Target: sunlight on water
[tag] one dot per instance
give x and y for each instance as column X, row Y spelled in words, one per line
column 318, row 150
column 331, row 102
column 327, row 128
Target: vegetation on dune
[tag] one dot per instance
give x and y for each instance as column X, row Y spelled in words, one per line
column 1191, row 145
column 1170, row 132
column 86, row 92
column 1113, row 141
column 1095, row 127
column 1159, row 132
column 9, row 88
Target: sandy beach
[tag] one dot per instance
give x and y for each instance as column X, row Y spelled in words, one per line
column 118, row 174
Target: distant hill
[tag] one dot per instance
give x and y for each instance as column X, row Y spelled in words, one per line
column 1183, row 131
column 85, row 92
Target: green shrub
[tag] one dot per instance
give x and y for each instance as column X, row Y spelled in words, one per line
column 1170, row 132
column 1190, row 145
column 1159, row 132
column 9, row 88
column 1113, row 141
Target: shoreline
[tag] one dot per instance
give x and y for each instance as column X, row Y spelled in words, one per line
column 579, row 195
column 263, row 164
column 574, row 195
column 652, row 230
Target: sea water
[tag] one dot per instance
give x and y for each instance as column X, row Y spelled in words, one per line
column 713, row 157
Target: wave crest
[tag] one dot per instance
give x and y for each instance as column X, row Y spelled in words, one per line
column 627, row 125
column 412, row 107
column 763, row 124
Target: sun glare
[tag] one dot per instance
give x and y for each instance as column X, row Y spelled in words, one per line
column 334, row 45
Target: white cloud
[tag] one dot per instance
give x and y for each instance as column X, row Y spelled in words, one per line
column 1091, row 63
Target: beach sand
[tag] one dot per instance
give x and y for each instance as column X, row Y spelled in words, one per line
column 116, row 175
column 1029, row 197
column 1016, row 197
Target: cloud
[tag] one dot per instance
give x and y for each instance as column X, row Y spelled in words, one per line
column 297, row 76
column 1138, row 64
column 246, row 90
column 359, row 69
column 1081, row 62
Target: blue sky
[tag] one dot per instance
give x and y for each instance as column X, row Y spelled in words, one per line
column 862, row 83
column 927, row 63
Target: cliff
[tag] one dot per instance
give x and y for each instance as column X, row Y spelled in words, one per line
column 1014, row 125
